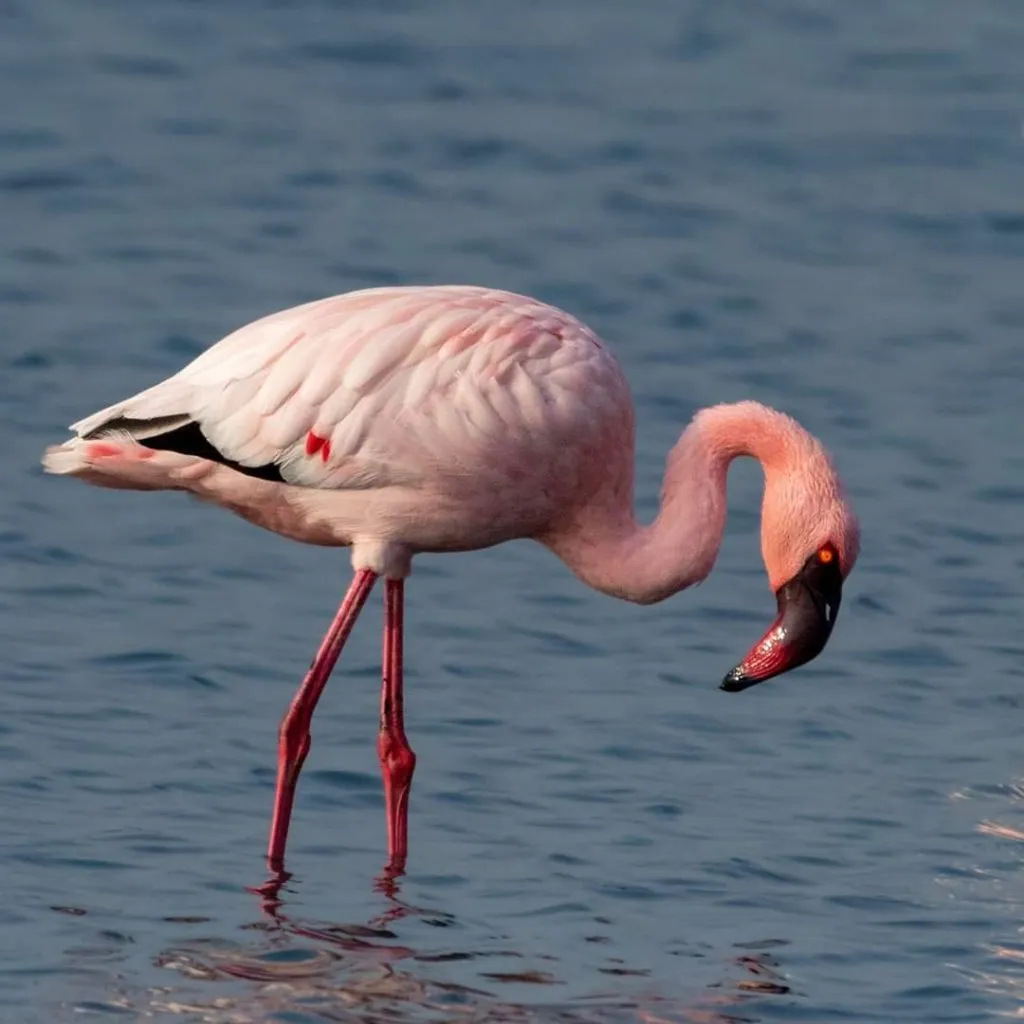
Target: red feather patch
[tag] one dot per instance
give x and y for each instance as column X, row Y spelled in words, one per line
column 315, row 443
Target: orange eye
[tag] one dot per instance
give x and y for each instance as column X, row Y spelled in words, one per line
column 825, row 555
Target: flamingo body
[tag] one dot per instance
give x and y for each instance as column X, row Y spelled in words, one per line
column 401, row 420
column 407, row 419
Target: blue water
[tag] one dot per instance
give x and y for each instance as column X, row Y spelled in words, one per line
column 814, row 203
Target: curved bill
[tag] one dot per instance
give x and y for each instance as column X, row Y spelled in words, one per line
column 808, row 606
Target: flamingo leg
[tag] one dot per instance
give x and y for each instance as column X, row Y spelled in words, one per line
column 293, row 736
column 397, row 760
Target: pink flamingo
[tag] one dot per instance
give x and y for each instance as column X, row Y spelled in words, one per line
column 400, row 420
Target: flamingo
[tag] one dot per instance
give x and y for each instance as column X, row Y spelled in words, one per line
column 402, row 420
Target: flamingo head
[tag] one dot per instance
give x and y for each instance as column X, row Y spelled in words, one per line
column 810, row 539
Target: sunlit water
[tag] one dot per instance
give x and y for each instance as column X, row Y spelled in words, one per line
column 816, row 204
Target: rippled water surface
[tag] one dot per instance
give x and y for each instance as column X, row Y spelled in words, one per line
column 816, row 204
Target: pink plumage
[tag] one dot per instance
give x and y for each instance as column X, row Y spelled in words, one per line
column 450, row 418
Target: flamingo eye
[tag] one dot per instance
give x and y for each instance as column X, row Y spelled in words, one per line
column 826, row 554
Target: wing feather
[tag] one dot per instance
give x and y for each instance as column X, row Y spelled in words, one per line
column 288, row 427
column 372, row 363
column 282, row 379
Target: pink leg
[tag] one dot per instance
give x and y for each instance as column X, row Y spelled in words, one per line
column 293, row 736
column 397, row 760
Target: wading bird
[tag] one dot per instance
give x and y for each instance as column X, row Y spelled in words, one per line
column 399, row 420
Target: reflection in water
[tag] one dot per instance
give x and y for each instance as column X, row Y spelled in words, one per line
column 361, row 972
column 1003, row 973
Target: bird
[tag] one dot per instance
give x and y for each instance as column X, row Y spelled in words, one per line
column 445, row 418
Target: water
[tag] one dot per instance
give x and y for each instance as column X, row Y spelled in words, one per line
column 816, row 204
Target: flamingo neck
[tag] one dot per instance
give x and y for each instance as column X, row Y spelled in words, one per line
column 610, row 551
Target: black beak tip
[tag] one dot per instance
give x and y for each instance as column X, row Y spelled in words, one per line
column 736, row 681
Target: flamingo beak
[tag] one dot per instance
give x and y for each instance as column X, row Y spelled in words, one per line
column 808, row 606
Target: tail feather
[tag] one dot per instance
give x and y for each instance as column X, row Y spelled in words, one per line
column 178, row 433
column 152, row 421
column 122, row 464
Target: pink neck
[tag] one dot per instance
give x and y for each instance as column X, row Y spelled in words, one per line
column 609, row 550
